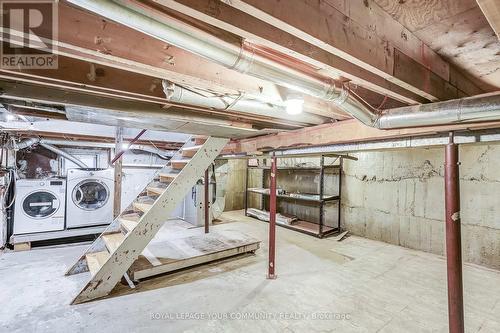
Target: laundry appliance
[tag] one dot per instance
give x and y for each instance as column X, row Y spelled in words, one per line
column 89, row 199
column 39, row 205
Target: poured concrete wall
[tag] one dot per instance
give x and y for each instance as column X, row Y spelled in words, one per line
column 397, row 196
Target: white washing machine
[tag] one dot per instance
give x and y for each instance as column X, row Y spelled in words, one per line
column 89, row 199
column 39, row 205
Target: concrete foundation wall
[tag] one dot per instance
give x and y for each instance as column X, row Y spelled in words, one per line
column 397, row 196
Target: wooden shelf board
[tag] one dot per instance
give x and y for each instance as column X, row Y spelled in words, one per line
column 289, row 197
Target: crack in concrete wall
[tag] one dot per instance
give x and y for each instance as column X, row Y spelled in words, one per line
column 397, row 196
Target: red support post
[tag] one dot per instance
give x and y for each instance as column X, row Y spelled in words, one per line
column 272, row 219
column 206, row 203
column 453, row 239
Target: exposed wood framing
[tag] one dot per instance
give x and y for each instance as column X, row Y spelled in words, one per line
column 340, row 132
column 362, row 33
column 491, row 9
column 112, row 111
column 102, row 42
column 231, row 19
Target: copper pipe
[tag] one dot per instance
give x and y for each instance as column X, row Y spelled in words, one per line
column 453, row 238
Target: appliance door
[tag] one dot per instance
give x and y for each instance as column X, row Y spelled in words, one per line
column 90, row 204
column 41, row 211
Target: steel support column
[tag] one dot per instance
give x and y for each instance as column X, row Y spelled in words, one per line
column 453, row 238
column 207, row 202
column 272, row 218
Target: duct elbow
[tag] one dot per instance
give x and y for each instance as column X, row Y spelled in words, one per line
column 22, row 144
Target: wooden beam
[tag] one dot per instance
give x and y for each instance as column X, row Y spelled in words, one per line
column 491, row 9
column 347, row 131
column 117, row 99
column 262, row 33
column 89, row 37
column 109, row 81
column 115, row 112
column 104, row 42
column 360, row 32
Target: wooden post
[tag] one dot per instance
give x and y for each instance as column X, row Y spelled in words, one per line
column 118, row 173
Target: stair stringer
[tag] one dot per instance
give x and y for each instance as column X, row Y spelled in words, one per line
column 136, row 241
column 80, row 266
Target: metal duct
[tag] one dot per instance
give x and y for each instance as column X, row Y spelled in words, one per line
column 240, row 57
column 32, row 141
column 22, row 144
column 178, row 94
column 64, row 154
column 245, row 59
column 457, row 111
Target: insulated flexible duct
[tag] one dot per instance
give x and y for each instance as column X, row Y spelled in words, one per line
column 32, row 141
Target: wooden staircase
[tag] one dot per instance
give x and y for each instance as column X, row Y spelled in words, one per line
column 113, row 252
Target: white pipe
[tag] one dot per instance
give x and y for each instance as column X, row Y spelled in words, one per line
column 177, row 94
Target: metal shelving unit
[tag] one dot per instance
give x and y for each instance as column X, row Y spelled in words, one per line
column 319, row 230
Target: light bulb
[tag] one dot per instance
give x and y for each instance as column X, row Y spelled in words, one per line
column 124, row 146
column 294, row 105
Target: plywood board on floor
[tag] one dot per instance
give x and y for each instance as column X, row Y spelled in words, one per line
column 177, row 245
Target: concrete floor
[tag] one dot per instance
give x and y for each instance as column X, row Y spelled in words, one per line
column 359, row 285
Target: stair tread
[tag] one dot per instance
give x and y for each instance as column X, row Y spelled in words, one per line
column 128, row 224
column 156, row 189
column 147, row 199
column 134, row 217
column 180, row 160
column 168, row 174
column 96, row 260
column 192, row 147
column 113, row 240
column 143, row 207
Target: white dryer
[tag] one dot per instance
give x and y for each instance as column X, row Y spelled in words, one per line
column 39, row 205
column 89, row 199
